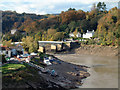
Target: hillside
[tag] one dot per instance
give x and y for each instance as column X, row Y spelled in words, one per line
column 13, row 20
column 57, row 27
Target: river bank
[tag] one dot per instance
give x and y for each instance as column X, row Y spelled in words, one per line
column 69, row 76
column 96, row 50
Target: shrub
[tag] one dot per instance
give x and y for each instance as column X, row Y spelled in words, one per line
column 103, row 43
column 91, row 41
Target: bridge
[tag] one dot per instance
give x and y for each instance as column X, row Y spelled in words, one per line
column 50, row 42
column 54, row 45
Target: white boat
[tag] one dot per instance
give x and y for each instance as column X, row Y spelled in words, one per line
column 46, row 61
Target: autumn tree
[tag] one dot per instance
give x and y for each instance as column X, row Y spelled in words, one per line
column 38, row 36
column 29, row 44
column 51, row 31
column 75, row 32
column 58, row 36
column 72, row 15
column 107, row 28
column 7, row 43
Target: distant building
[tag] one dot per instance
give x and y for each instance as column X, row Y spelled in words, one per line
column 17, row 43
column 77, row 35
column 11, row 51
column 6, row 51
column 89, row 34
column 13, row 31
column 71, row 35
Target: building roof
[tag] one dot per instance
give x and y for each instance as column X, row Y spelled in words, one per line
column 16, row 47
column 90, row 31
column 4, row 48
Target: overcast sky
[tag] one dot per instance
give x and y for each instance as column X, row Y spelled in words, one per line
column 51, row 6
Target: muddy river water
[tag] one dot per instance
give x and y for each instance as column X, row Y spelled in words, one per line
column 103, row 70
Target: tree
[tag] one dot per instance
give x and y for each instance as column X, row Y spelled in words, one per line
column 51, row 31
column 75, row 32
column 38, row 36
column 62, row 27
column 71, row 9
column 29, row 44
column 72, row 24
column 58, row 36
column 107, row 29
column 93, row 7
column 103, row 6
column 7, row 43
column 72, row 15
column 99, row 6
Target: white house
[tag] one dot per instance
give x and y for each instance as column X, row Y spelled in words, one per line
column 77, row 35
column 13, row 31
column 6, row 51
column 89, row 34
column 71, row 35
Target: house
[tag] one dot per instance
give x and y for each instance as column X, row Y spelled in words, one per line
column 6, row 51
column 17, row 49
column 16, row 43
column 71, row 35
column 11, row 51
column 13, row 31
column 33, row 54
column 27, row 59
column 77, row 35
column 89, row 34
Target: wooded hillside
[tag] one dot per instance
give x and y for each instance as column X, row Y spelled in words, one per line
column 105, row 23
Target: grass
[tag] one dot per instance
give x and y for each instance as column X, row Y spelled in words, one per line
column 15, row 75
column 11, row 68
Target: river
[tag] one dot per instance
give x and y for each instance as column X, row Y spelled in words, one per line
column 103, row 70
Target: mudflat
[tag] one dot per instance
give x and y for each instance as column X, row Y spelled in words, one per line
column 103, row 69
column 69, row 76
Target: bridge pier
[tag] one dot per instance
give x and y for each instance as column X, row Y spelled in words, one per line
column 68, row 44
column 41, row 49
column 59, row 47
column 53, row 47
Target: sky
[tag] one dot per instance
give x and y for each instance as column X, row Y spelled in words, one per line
column 51, row 6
